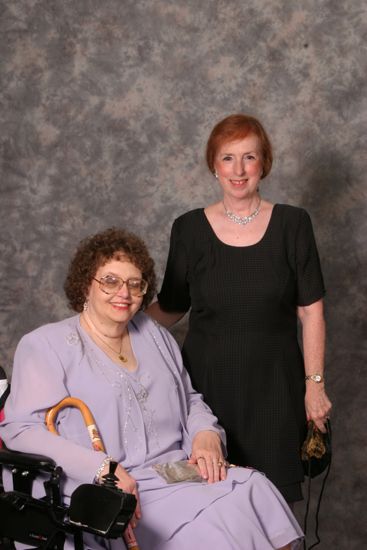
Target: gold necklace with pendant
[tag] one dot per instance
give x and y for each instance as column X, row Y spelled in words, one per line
column 119, row 354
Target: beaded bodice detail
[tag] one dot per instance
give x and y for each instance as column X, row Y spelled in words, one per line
column 137, row 397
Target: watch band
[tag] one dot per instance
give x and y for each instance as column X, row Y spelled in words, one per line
column 315, row 378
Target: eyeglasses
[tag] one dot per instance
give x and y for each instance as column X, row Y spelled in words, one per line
column 110, row 284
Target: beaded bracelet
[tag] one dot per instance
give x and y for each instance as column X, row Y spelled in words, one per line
column 98, row 476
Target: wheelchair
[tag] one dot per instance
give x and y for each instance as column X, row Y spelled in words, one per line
column 103, row 510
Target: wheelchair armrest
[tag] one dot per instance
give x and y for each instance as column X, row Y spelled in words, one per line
column 16, row 459
column 25, row 467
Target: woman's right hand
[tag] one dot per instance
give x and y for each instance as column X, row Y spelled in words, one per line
column 317, row 404
column 129, row 485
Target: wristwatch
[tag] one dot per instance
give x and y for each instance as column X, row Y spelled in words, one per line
column 315, row 378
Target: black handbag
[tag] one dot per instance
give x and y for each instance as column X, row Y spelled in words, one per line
column 316, row 450
column 316, row 456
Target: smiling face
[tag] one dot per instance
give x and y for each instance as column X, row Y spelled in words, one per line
column 238, row 165
column 108, row 310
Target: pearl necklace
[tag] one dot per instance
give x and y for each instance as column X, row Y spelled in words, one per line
column 242, row 220
column 94, row 329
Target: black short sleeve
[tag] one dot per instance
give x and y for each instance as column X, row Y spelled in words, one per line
column 310, row 283
column 175, row 293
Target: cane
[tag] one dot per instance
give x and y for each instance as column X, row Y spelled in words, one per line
column 96, row 440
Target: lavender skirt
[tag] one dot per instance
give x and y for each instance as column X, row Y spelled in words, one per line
column 244, row 512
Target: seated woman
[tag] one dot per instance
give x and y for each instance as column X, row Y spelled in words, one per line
column 128, row 370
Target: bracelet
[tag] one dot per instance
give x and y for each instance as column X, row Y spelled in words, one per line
column 98, row 476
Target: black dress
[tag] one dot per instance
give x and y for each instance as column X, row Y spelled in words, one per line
column 241, row 348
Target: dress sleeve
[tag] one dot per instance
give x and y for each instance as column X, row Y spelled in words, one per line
column 200, row 416
column 38, row 382
column 175, row 292
column 310, row 283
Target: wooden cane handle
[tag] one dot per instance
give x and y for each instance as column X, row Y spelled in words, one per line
column 87, row 417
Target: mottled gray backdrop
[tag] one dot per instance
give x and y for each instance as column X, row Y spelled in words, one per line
column 105, row 111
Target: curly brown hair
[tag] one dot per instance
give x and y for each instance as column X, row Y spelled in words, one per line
column 95, row 251
column 236, row 127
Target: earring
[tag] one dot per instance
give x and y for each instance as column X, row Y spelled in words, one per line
column 85, row 305
column 215, row 174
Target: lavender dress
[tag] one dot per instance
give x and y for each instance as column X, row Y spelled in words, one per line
column 146, row 417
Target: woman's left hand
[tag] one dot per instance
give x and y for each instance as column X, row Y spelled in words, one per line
column 318, row 405
column 208, row 455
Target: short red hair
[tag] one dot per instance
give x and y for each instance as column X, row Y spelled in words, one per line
column 234, row 128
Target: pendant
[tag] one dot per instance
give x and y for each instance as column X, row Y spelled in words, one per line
column 122, row 358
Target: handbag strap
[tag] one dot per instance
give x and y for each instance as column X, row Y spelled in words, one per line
column 318, row 540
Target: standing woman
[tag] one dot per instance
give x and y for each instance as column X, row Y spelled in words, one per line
column 249, row 270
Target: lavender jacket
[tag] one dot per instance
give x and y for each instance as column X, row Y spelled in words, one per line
column 59, row 360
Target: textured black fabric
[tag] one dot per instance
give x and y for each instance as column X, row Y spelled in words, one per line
column 241, row 349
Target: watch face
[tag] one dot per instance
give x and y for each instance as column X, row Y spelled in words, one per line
column 316, row 377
